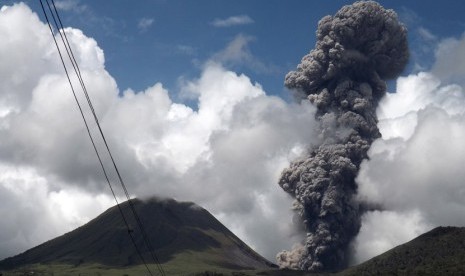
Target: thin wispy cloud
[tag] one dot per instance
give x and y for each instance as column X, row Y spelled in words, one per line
column 237, row 52
column 186, row 49
column 89, row 17
column 426, row 34
column 70, row 5
column 145, row 23
column 232, row 21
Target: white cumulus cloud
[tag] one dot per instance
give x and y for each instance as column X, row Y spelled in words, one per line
column 225, row 153
column 415, row 171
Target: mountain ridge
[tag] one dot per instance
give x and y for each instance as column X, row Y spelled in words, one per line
column 437, row 252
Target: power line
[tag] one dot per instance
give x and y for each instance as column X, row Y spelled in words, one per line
column 77, row 71
column 136, row 216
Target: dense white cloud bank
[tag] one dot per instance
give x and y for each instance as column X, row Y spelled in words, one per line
column 415, row 171
column 225, row 154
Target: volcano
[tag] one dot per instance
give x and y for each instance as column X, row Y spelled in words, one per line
column 178, row 232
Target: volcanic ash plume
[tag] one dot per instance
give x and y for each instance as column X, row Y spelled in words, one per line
column 356, row 50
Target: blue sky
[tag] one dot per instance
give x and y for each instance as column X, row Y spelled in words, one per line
column 179, row 36
column 196, row 125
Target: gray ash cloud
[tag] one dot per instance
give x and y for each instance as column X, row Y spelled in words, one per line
column 357, row 49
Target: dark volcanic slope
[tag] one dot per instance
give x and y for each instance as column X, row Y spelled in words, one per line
column 173, row 227
column 438, row 252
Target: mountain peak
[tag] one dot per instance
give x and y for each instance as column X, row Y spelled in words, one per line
column 173, row 228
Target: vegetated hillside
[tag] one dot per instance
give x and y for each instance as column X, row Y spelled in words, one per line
column 438, row 252
column 183, row 235
column 189, row 241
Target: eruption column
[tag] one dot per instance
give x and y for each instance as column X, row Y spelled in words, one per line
column 358, row 48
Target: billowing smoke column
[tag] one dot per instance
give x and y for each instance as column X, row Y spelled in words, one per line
column 356, row 50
